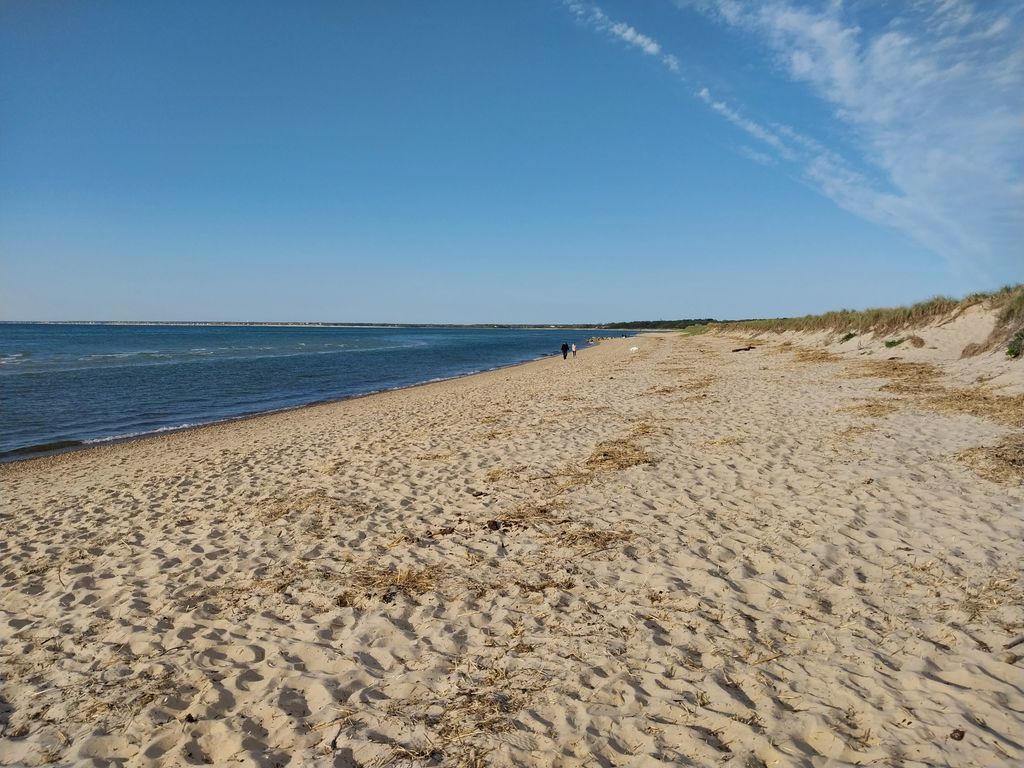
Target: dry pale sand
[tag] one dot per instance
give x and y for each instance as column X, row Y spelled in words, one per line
column 681, row 556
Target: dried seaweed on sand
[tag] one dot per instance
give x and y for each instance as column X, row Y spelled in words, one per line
column 1003, row 463
column 613, row 455
column 698, row 384
column 815, row 356
column 589, row 539
column 872, row 408
column 904, row 377
column 983, row 403
column 373, row 581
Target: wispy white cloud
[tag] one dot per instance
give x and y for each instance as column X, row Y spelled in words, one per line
column 597, row 19
column 758, row 131
column 931, row 98
column 594, row 17
column 762, row 158
column 631, row 36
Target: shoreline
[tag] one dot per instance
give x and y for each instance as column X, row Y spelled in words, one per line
column 28, row 454
column 31, row 453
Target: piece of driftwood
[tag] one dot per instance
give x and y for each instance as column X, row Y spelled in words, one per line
column 744, row 349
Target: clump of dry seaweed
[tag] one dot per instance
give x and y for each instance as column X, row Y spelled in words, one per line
column 435, row 456
column 313, row 501
column 726, row 441
column 991, row 596
column 642, row 429
column 498, row 474
column 872, row 408
column 855, row 431
column 904, row 378
column 699, row 384
column 525, row 513
column 1003, row 463
column 464, row 717
column 815, row 356
column 374, row 582
column 983, row 403
column 589, row 540
column 614, row 455
column 661, row 390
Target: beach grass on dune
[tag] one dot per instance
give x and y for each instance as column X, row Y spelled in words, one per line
column 883, row 321
column 1012, row 310
column 1011, row 318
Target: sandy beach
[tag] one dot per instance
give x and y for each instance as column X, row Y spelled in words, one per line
column 797, row 554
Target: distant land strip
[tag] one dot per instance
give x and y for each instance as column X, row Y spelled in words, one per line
column 630, row 325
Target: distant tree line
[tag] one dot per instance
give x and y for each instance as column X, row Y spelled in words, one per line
column 651, row 325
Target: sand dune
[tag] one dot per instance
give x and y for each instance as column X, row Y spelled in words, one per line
column 680, row 556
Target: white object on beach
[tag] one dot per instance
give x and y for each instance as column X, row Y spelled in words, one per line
column 634, row 349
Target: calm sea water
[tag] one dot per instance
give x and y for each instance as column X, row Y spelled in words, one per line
column 65, row 385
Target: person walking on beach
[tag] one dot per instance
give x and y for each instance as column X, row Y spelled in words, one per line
column 574, row 349
column 565, row 350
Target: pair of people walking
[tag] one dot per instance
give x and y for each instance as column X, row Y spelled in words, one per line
column 566, row 348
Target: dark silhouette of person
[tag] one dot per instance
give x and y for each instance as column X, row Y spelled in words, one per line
column 565, row 350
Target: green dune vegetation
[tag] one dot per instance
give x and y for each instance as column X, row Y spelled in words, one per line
column 1009, row 330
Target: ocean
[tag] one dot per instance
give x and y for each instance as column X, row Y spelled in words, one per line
column 63, row 386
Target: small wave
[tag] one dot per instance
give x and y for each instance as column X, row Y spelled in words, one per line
column 144, row 354
column 141, row 433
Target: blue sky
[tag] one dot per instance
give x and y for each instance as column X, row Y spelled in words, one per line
column 536, row 161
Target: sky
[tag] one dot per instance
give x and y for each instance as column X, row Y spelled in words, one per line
column 539, row 161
